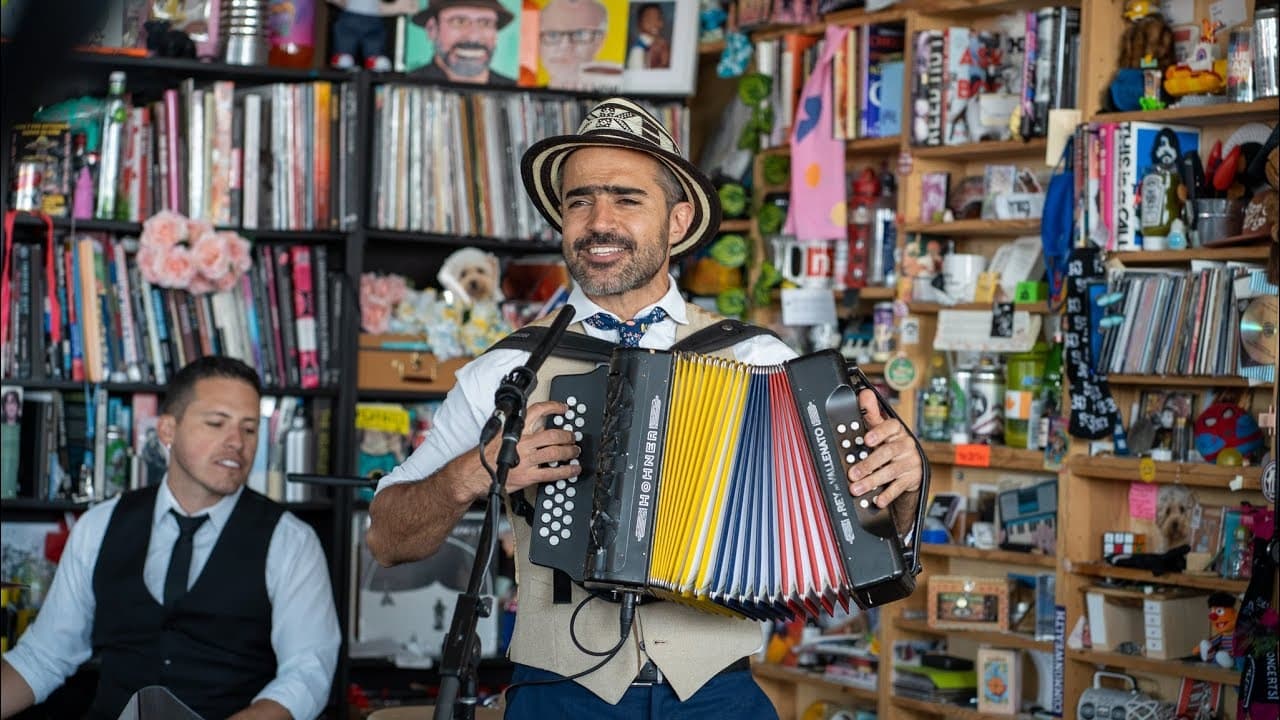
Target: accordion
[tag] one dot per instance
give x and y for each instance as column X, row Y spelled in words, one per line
column 721, row 485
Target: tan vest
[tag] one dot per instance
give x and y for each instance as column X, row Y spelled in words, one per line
column 688, row 646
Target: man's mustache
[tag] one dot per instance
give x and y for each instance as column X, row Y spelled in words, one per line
column 585, row 242
column 471, row 45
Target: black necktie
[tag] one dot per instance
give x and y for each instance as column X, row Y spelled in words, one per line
column 175, row 581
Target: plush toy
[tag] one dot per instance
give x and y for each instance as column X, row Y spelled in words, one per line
column 1226, row 426
column 165, row 41
column 1222, row 624
column 359, row 30
column 472, row 276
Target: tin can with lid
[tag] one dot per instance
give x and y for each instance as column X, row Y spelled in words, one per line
column 1266, row 64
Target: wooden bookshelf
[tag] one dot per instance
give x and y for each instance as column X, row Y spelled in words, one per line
column 1172, row 668
column 1186, row 580
column 877, row 293
column 711, row 47
column 1258, row 253
column 860, row 16
column 950, row 712
column 1038, row 308
column 976, row 228
column 874, row 145
column 742, row 225
column 986, row 637
column 1199, row 381
column 774, row 671
column 1003, row 557
column 980, row 150
column 1002, row 458
column 1261, row 110
column 1108, row 467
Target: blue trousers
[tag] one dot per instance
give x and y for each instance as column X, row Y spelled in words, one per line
column 732, row 696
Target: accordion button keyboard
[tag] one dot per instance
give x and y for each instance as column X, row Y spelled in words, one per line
column 562, row 523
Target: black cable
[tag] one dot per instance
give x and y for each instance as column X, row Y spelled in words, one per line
column 607, row 655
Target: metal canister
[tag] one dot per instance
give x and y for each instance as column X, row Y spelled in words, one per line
column 958, row 413
column 1266, row 64
column 986, row 405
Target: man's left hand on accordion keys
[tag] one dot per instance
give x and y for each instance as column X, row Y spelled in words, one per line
column 894, row 467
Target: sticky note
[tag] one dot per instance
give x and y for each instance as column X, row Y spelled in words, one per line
column 1142, row 501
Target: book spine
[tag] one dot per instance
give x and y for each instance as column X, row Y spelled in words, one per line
column 304, row 315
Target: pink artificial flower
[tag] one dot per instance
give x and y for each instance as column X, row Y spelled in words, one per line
column 165, row 229
column 239, row 252
column 209, row 252
column 199, row 285
column 148, row 260
column 390, row 288
column 196, row 228
column 375, row 315
column 176, row 268
column 227, row 282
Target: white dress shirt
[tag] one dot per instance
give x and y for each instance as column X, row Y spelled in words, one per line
column 304, row 624
column 469, row 404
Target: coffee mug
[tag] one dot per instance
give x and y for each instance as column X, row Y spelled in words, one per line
column 807, row 263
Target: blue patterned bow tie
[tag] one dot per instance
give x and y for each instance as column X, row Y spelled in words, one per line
column 629, row 332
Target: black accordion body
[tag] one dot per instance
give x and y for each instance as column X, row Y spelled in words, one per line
column 721, row 485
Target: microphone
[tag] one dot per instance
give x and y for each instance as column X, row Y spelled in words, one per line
column 515, row 388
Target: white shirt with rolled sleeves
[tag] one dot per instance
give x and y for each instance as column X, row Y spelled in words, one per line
column 304, row 623
column 456, row 427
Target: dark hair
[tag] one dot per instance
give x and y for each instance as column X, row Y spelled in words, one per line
column 184, row 381
column 647, row 7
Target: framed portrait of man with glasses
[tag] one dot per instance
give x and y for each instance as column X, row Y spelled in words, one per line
column 463, row 41
column 582, row 44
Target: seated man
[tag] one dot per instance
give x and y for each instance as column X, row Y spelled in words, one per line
column 196, row 584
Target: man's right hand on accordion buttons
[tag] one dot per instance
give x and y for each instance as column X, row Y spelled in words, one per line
column 894, row 465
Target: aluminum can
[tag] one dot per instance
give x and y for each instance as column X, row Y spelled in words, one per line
column 986, row 401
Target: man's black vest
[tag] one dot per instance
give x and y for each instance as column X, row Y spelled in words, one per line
column 213, row 649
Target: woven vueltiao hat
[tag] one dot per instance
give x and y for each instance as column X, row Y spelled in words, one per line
column 623, row 124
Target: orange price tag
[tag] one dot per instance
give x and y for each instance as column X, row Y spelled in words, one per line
column 973, row 455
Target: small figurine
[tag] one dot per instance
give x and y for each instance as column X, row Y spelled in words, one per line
column 1146, row 34
column 1204, row 73
column 1222, row 623
column 360, row 30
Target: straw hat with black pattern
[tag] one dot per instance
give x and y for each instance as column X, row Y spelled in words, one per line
column 623, row 124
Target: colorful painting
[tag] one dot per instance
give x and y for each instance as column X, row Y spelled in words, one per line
column 471, row 41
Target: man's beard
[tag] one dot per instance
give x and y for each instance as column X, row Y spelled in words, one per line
column 643, row 265
column 465, row 66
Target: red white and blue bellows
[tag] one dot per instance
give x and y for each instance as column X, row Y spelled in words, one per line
column 621, row 123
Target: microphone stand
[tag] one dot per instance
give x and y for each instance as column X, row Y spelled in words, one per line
column 460, row 660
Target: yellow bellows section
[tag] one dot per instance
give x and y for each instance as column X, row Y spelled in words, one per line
column 708, row 397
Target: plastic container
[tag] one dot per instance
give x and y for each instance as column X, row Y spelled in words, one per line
column 1024, row 373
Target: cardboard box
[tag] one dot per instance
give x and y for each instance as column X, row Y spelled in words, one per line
column 1174, row 624
column 1115, row 617
column 1167, row 625
column 403, row 363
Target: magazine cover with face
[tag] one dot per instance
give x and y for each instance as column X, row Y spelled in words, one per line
column 465, row 41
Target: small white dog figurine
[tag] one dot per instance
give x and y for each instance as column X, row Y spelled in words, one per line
column 472, row 276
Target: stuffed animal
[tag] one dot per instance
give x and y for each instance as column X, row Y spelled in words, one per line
column 472, row 276
column 359, row 30
column 1222, row 624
